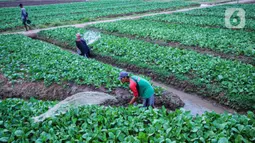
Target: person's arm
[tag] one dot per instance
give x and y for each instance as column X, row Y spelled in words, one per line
column 133, row 100
column 134, row 90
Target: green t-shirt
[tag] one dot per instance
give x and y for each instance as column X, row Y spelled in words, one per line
column 144, row 87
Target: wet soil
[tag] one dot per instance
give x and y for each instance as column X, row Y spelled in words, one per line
column 15, row 3
column 244, row 59
column 26, row 89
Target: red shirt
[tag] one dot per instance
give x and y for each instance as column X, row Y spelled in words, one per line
column 132, row 86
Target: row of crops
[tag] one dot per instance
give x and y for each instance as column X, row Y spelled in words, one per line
column 108, row 124
column 219, row 11
column 211, row 17
column 182, row 18
column 60, row 14
column 220, row 40
column 213, row 74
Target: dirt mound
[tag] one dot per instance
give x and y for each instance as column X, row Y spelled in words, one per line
column 168, row 99
column 26, row 89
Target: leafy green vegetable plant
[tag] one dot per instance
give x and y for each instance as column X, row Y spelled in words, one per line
column 108, row 124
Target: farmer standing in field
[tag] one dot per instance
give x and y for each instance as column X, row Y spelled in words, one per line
column 139, row 87
column 82, row 46
column 24, row 16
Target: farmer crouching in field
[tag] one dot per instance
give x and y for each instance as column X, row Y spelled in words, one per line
column 82, row 46
column 24, row 16
column 139, row 87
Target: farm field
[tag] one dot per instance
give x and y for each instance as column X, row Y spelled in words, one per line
column 203, row 21
column 232, row 42
column 190, row 52
column 211, row 76
column 33, row 61
column 204, row 34
column 48, row 16
column 14, row 3
column 208, row 70
column 108, row 124
column 221, row 40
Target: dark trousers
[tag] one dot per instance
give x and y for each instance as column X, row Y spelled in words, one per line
column 86, row 54
column 148, row 101
column 24, row 21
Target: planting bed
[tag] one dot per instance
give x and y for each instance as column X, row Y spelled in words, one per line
column 219, row 11
column 61, row 14
column 108, row 124
column 38, row 69
column 203, row 20
column 230, row 82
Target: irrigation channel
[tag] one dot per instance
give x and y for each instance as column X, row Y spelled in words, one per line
column 193, row 103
